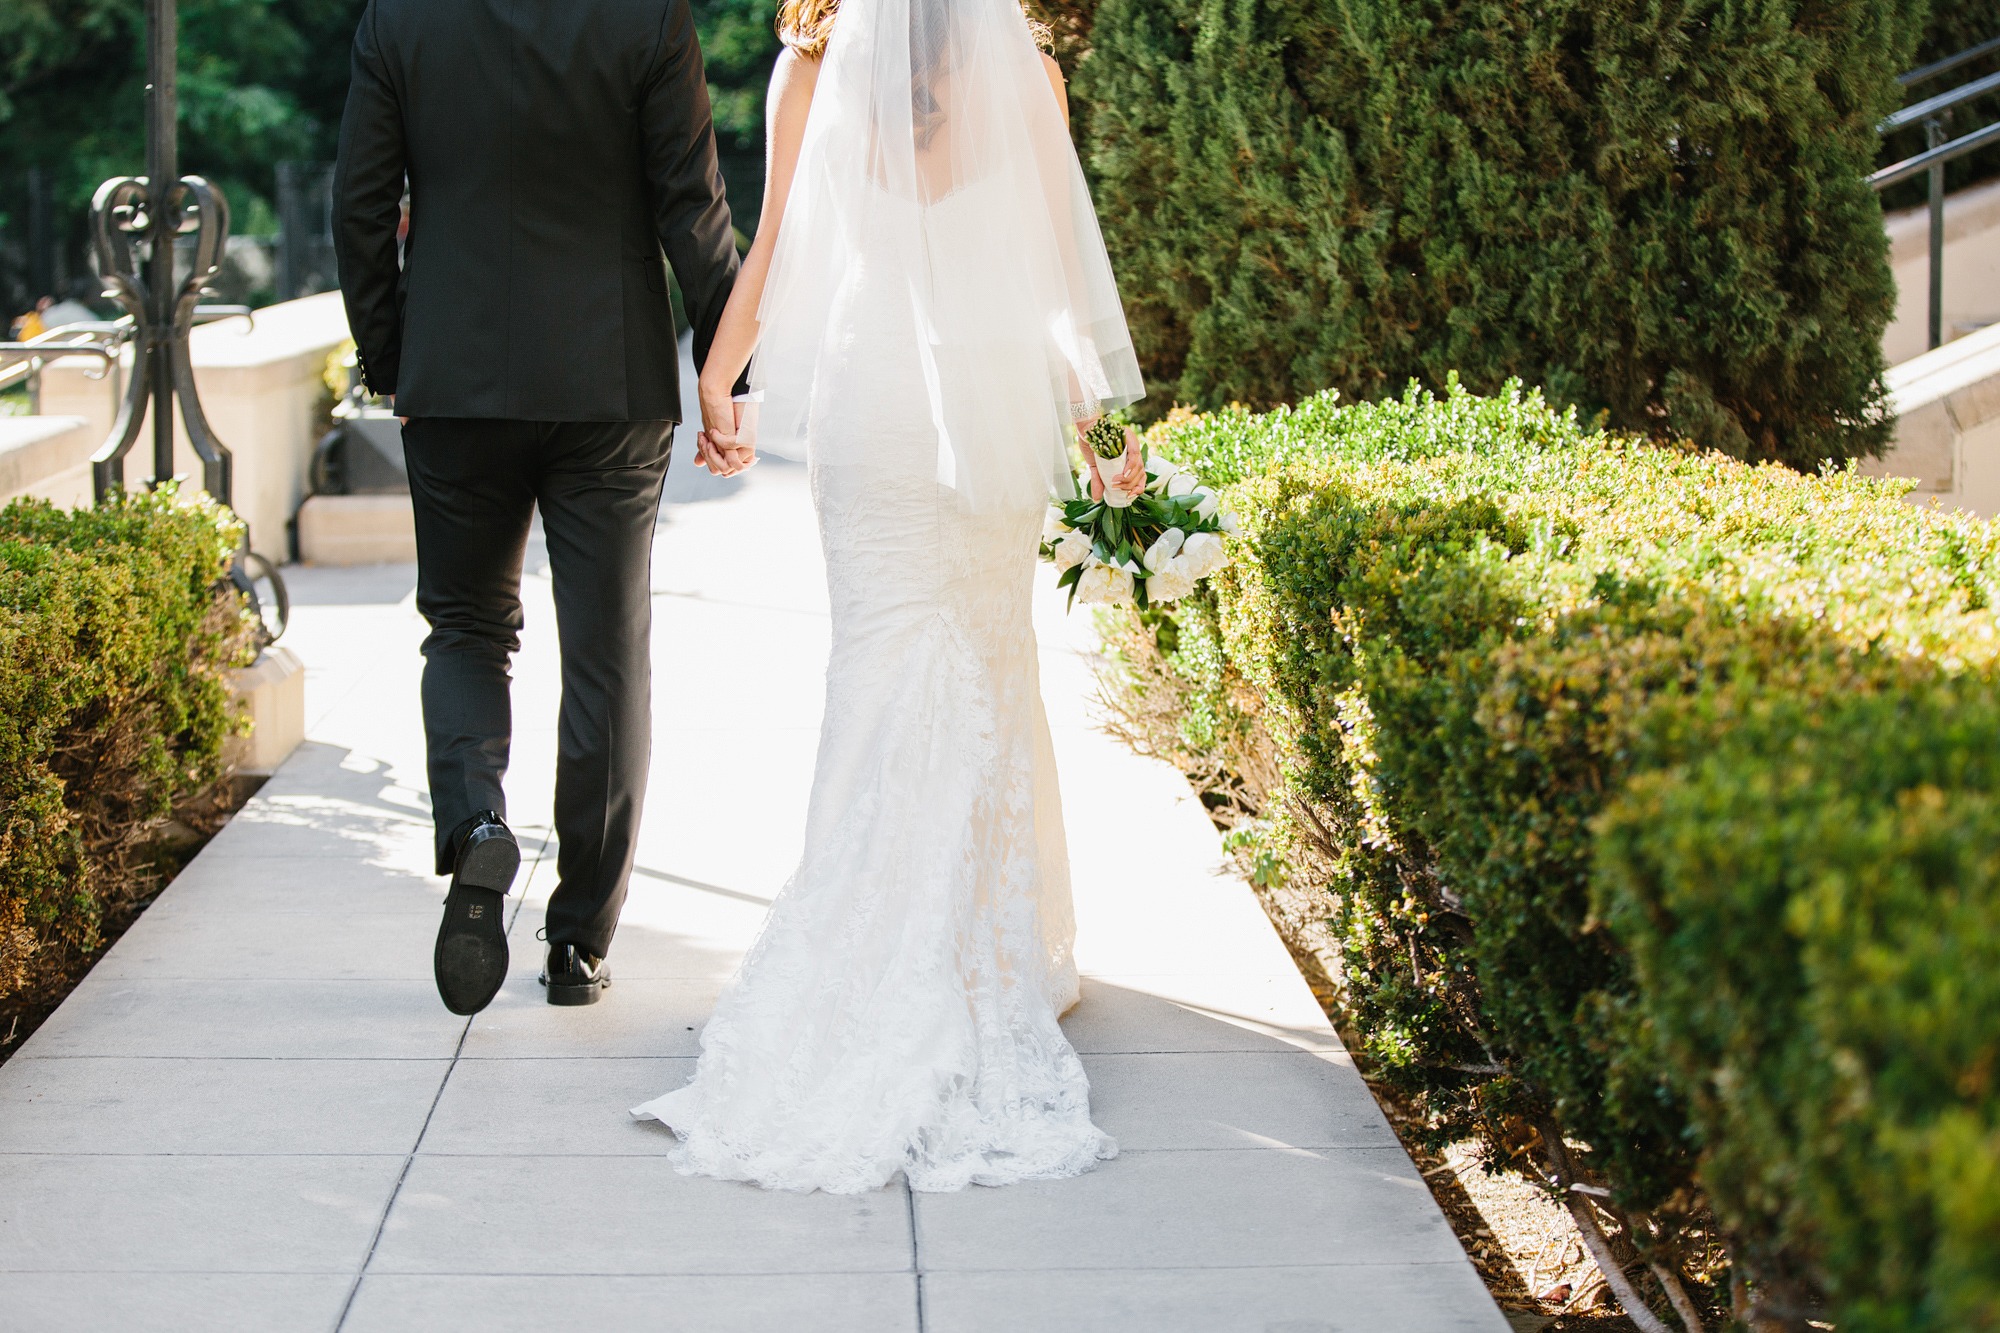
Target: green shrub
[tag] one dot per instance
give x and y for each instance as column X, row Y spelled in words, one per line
column 116, row 631
column 1813, row 910
column 1469, row 623
column 1656, row 212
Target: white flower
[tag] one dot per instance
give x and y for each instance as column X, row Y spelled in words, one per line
column 1054, row 526
column 1172, row 582
column 1071, row 548
column 1229, row 524
column 1162, row 472
column 1163, row 550
column 1104, row 585
column 1207, row 506
column 1203, row 555
column 1183, row 483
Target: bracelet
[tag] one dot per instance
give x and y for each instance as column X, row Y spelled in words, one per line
column 1084, row 410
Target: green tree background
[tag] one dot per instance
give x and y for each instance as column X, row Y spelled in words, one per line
column 261, row 82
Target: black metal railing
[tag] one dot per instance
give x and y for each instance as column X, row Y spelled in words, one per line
column 1931, row 113
column 134, row 224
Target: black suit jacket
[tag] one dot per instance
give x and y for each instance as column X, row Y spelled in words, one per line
column 553, row 150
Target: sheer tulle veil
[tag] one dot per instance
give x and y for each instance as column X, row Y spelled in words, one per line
column 933, row 128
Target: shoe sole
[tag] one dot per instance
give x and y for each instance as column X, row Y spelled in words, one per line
column 490, row 862
column 588, row 994
column 470, row 960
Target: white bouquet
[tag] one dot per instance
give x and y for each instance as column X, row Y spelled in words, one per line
column 1144, row 547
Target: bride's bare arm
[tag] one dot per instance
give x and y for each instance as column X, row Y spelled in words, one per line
column 736, row 336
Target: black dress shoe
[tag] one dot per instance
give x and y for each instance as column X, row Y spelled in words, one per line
column 573, row 976
column 471, row 955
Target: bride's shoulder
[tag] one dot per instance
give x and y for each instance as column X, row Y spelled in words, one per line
column 794, row 64
column 793, row 76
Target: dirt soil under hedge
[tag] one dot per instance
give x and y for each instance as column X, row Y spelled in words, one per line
column 174, row 844
column 1524, row 1246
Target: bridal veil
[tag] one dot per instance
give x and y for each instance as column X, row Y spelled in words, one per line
column 921, row 103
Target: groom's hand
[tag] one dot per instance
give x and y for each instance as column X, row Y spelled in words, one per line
column 718, row 415
column 719, row 461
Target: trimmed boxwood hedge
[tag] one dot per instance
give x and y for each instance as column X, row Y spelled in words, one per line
column 1468, row 624
column 117, row 630
column 1812, row 906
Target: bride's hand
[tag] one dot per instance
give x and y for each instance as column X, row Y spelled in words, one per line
column 717, row 447
column 1131, row 476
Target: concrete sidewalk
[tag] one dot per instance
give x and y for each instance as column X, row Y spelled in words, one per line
column 255, row 1113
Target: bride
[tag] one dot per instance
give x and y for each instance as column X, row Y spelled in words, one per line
column 931, row 313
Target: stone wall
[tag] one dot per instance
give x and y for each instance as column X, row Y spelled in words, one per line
column 1971, row 270
column 262, row 389
column 1947, row 405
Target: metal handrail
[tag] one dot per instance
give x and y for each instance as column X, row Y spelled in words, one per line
column 1949, row 63
column 1935, row 157
column 1931, row 106
column 1929, row 113
column 25, row 360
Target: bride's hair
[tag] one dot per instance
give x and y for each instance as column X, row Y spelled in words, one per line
column 804, row 25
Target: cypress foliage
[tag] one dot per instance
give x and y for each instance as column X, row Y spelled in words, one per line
column 1655, row 211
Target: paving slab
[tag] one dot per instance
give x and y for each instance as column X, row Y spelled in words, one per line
column 259, row 1020
column 332, row 945
column 259, row 887
column 267, row 1302
column 1161, row 1015
column 1227, row 1208
column 1332, row 1298
column 258, row 1093
column 135, row 1213
column 586, row 1214
column 649, row 1018
column 235, row 1106
column 551, row 1107
column 797, row 1303
column 1234, row 1099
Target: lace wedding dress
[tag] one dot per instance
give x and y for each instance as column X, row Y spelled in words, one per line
column 898, row 1011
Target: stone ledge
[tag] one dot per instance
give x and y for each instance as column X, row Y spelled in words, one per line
column 273, row 691
column 357, row 530
column 39, row 454
column 1947, row 406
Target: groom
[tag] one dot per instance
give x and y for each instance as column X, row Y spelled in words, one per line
column 558, row 156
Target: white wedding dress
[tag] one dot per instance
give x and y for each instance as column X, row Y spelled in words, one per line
column 898, row 1011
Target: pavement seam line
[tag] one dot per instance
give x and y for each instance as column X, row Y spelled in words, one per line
column 348, row 1305
column 916, row 1258
column 410, row 1157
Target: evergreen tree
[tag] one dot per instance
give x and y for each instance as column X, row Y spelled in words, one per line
column 260, row 82
column 1654, row 210
column 739, row 44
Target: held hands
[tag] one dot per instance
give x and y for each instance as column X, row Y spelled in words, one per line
column 1131, row 476
column 727, row 443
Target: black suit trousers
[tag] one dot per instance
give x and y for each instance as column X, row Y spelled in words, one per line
column 475, row 485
